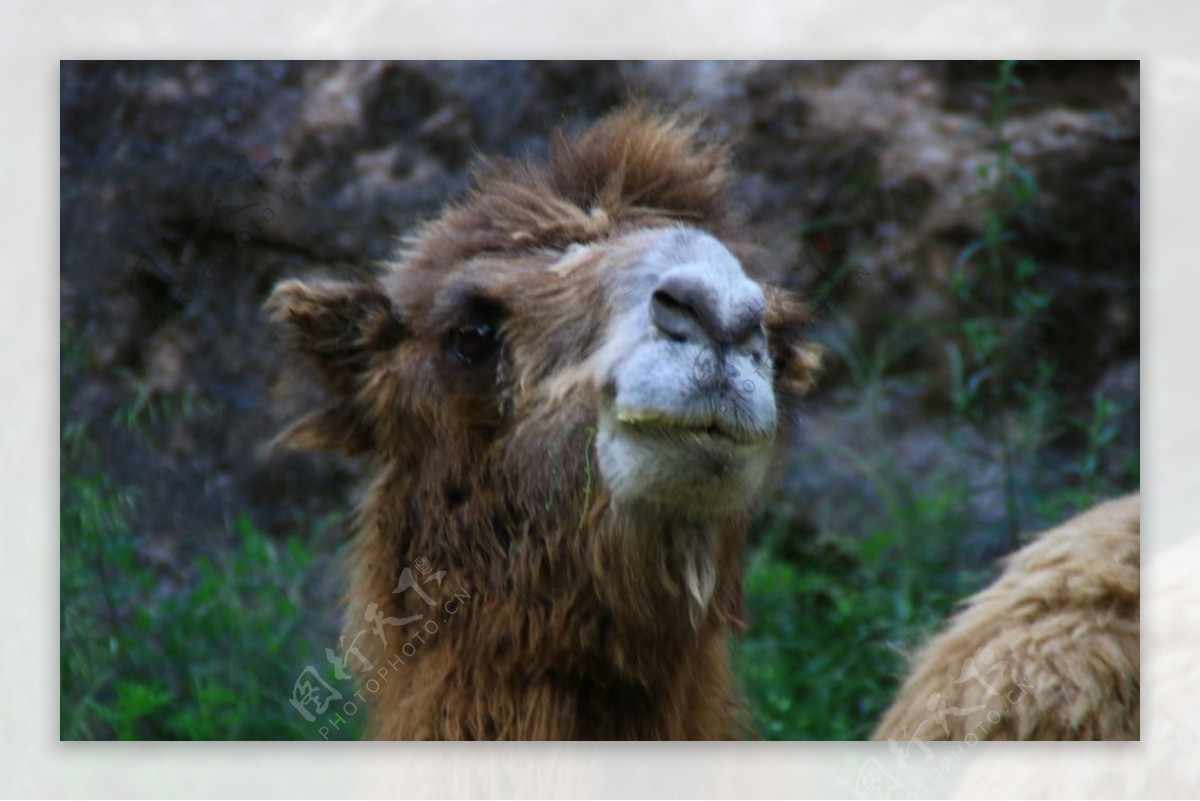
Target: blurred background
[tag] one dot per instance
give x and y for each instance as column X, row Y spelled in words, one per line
column 968, row 232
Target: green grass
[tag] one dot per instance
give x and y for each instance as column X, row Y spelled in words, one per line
column 209, row 655
column 832, row 617
column 205, row 647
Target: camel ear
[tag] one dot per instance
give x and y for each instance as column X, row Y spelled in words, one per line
column 797, row 358
column 337, row 326
column 336, row 329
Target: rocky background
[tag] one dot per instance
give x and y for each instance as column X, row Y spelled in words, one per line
column 189, row 189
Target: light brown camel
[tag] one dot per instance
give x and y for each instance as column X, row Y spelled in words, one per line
column 1050, row 651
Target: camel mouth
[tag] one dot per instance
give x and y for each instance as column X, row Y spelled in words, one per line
column 701, row 430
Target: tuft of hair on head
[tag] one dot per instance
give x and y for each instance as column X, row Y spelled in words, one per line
column 635, row 167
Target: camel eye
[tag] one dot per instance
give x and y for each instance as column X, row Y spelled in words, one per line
column 473, row 342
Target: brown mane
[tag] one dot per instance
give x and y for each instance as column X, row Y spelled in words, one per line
column 632, row 169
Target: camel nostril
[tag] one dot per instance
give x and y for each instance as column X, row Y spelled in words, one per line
column 666, row 300
column 672, row 316
column 690, row 304
column 684, row 307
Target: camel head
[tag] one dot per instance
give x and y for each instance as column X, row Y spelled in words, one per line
column 567, row 376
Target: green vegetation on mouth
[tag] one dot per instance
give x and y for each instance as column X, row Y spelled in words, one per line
column 648, row 420
column 644, row 417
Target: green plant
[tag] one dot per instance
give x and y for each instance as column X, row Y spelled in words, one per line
column 1000, row 384
column 148, row 408
column 873, row 365
column 829, row 624
column 1100, row 430
column 210, row 654
column 206, row 647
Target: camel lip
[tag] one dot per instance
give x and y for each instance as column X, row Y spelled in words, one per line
column 709, row 427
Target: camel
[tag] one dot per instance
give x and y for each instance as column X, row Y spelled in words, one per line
column 567, row 395
column 1050, row 651
column 1163, row 765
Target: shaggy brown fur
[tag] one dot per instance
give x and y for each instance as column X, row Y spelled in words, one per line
column 1050, row 651
column 572, row 617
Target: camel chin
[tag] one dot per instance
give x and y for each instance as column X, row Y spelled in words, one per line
column 680, row 469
